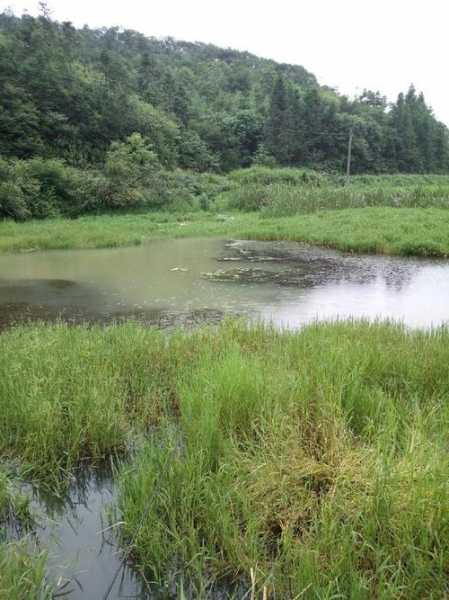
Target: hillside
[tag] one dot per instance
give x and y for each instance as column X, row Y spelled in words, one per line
column 68, row 93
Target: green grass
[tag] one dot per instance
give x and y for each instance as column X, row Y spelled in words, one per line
column 283, row 200
column 22, row 573
column 70, row 394
column 13, row 504
column 287, row 192
column 316, row 461
column 381, row 230
column 4, row 493
column 311, row 462
column 22, row 570
column 113, row 231
column 406, row 232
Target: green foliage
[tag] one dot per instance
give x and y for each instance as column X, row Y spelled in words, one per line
column 131, row 167
column 67, row 419
column 281, row 450
column 195, row 154
column 263, row 158
column 22, row 571
column 277, row 457
column 39, row 188
column 13, row 504
column 131, row 178
column 68, row 93
column 285, row 192
column 283, row 200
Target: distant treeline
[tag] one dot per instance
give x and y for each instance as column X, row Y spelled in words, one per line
column 68, row 94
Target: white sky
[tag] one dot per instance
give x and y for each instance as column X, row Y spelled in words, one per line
column 348, row 44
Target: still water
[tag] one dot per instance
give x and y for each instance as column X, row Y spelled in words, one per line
column 79, row 533
column 189, row 281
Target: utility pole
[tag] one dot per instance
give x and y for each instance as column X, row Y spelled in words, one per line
column 348, row 164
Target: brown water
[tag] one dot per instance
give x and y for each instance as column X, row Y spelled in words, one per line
column 162, row 283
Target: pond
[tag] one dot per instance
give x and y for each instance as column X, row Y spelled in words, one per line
column 190, row 281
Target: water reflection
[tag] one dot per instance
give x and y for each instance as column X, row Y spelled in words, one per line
column 84, row 560
column 186, row 282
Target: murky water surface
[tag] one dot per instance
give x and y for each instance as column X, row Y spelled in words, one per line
column 79, row 533
column 186, row 282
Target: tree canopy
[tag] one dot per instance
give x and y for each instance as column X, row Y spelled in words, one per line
column 68, row 94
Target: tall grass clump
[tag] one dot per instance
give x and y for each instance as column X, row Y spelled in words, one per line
column 22, row 573
column 74, row 394
column 4, row 493
column 14, row 506
column 261, row 175
column 283, row 200
column 22, row 567
column 308, row 464
column 288, row 191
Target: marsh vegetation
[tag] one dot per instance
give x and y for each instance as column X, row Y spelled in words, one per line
column 405, row 215
column 292, row 455
column 253, row 461
column 311, row 462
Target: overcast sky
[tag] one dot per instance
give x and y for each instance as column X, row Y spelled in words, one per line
column 348, row 44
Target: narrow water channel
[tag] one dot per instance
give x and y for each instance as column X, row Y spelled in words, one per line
column 78, row 532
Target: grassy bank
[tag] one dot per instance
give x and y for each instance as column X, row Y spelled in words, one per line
column 411, row 232
column 287, row 192
column 114, row 231
column 311, row 463
column 392, row 214
column 382, row 230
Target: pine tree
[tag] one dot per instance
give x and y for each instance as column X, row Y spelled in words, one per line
column 277, row 122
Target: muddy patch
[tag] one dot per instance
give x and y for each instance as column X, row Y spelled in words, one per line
column 53, row 301
column 298, row 265
column 25, row 313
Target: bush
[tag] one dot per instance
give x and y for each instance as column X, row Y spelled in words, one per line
column 13, row 201
column 59, row 188
column 132, row 177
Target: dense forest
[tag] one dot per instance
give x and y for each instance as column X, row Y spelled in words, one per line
column 126, row 108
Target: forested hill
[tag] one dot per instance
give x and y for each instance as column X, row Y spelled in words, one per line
column 69, row 93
